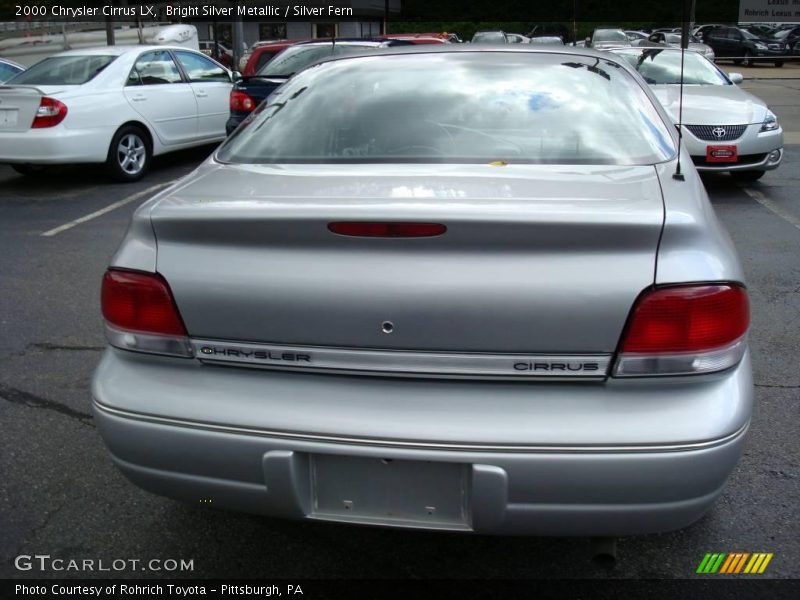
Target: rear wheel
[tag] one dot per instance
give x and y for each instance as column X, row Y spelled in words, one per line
column 745, row 176
column 129, row 154
column 747, row 60
column 28, row 169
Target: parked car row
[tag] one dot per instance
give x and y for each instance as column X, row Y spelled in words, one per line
column 123, row 105
column 502, row 37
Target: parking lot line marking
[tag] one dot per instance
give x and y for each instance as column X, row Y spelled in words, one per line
column 102, row 211
column 759, row 197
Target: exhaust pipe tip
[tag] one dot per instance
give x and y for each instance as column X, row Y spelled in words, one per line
column 604, row 552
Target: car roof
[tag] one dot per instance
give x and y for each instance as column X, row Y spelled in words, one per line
column 271, row 43
column 363, row 41
column 483, row 48
column 117, row 50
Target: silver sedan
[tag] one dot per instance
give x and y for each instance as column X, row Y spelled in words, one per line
column 725, row 128
column 495, row 305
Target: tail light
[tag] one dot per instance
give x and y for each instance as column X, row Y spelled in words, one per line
column 140, row 314
column 241, row 102
column 683, row 330
column 49, row 114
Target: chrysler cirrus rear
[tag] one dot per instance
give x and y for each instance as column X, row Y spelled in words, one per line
column 488, row 304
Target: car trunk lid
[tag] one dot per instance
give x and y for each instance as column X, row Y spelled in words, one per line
column 535, row 259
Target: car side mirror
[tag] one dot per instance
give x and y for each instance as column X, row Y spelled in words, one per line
column 235, row 76
column 735, row 77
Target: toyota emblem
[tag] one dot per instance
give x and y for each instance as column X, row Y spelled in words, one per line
column 719, row 132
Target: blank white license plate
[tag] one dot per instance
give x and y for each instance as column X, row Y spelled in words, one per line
column 384, row 491
column 8, row 117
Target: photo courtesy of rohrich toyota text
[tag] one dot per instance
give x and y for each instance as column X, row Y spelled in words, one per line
column 400, row 298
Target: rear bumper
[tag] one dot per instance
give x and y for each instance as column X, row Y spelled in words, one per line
column 533, row 488
column 593, row 493
column 57, row 145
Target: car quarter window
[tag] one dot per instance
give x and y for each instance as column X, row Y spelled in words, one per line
column 200, row 68
column 153, row 68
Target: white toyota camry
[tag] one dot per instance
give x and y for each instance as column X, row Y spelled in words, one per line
column 115, row 105
column 725, row 128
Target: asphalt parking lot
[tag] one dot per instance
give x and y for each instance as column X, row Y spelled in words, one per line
column 60, row 495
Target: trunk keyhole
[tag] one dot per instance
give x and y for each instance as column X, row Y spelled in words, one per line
column 387, row 327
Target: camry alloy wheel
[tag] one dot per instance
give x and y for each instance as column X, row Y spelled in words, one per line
column 131, row 153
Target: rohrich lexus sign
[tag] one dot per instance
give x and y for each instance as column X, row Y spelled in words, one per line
column 769, row 11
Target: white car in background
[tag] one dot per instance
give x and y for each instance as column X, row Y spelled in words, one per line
column 724, row 127
column 117, row 105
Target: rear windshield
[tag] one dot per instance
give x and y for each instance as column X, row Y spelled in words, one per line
column 64, row 70
column 663, row 67
column 466, row 107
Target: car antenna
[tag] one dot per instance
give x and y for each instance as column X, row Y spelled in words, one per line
column 684, row 44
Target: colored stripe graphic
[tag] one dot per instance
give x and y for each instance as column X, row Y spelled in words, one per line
column 734, row 563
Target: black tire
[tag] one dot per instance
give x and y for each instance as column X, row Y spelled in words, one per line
column 747, row 176
column 28, row 170
column 747, row 59
column 129, row 154
column 779, row 63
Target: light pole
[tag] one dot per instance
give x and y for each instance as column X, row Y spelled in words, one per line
column 110, row 41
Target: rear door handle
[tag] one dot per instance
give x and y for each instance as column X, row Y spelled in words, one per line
column 201, row 94
column 139, row 98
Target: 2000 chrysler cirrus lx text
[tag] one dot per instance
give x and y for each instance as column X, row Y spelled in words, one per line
column 487, row 305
